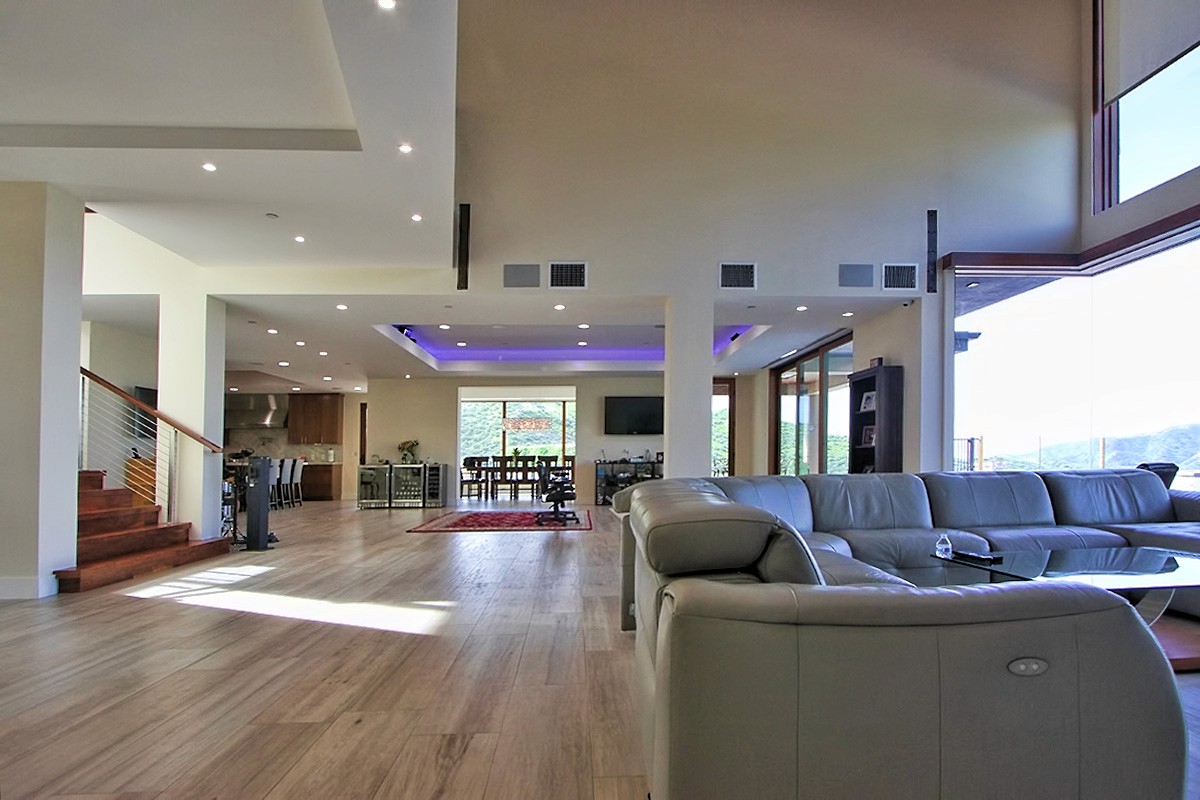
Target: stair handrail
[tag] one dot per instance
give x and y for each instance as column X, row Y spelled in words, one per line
column 149, row 410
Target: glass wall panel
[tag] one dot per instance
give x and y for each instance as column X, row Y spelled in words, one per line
column 788, row 454
column 1080, row 372
column 722, row 427
column 839, row 364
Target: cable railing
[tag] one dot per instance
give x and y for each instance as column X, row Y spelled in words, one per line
column 132, row 443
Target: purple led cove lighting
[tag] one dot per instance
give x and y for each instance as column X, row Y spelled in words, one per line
column 546, row 354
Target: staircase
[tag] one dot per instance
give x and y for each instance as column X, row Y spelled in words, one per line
column 120, row 538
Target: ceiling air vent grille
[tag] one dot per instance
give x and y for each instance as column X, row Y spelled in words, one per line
column 568, row 275
column 739, row 276
column 899, row 276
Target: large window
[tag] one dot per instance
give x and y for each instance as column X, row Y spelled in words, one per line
column 535, row 425
column 723, row 410
column 811, row 409
column 1080, row 372
column 1147, row 96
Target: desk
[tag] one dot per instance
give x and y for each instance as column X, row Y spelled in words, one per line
column 613, row 476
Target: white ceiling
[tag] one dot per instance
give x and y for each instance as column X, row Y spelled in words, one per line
column 301, row 105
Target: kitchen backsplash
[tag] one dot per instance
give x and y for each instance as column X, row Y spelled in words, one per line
column 273, row 442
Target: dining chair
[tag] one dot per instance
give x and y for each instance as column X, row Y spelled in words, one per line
column 297, row 488
column 472, row 480
column 503, row 476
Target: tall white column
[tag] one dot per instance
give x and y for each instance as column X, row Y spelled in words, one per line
column 41, row 242
column 687, row 383
column 191, row 379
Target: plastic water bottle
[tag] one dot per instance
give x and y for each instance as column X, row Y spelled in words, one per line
column 943, row 548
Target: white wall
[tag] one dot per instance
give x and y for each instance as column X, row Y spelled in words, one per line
column 909, row 336
column 122, row 357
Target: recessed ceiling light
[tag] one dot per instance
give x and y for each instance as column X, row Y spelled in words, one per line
column 327, row 378
column 583, row 326
column 272, row 331
column 233, row 388
column 341, row 306
column 972, row 284
column 358, row 388
column 736, row 374
column 323, row 353
column 802, row 308
column 405, row 148
column 300, row 344
column 386, row 5
column 498, row 327
column 560, row 307
column 295, row 388
column 417, row 218
column 285, row 363
column 582, row 344
column 299, row 239
column 444, row 326
column 789, row 353
column 406, row 377
column 847, row 313
column 461, row 344
column 208, row 166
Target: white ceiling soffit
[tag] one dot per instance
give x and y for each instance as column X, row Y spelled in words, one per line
column 300, row 105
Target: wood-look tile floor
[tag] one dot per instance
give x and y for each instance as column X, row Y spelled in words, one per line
column 353, row 660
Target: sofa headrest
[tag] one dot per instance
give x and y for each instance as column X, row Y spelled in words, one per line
column 987, row 499
column 1108, row 497
column 784, row 496
column 623, row 499
column 868, row 502
column 699, row 532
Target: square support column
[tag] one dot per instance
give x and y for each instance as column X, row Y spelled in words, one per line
column 687, row 384
column 41, row 237
column 191, row 390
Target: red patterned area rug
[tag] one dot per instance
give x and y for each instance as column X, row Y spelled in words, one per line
column 513, row 521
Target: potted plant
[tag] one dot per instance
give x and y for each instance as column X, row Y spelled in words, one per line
column 408, row 451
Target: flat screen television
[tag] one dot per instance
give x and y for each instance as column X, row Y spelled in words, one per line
column 633, row 416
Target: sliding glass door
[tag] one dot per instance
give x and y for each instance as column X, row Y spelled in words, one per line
column 812, row 413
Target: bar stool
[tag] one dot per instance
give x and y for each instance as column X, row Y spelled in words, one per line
column 297, row 488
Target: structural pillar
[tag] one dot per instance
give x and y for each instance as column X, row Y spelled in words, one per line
column 191, row 380
column 41, row 239
column 687, row 384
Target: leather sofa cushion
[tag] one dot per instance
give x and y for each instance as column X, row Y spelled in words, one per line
column 908, row 552
column 698, row 531
column 819, row 540
column 1049, row 537
column 787, row 559
column 970, row 500
column 621, row 500
column 1108, row 497
column 784, row 496
column 886, row 500
column 840, row 570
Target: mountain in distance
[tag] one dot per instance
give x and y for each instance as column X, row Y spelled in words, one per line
column 1179, row 444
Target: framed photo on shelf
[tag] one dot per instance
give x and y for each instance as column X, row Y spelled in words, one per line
column 868, row 436
column 868, row 402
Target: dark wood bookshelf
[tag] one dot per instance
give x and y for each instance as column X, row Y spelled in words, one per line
column 877, row 420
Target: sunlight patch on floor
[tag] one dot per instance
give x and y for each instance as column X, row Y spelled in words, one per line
column 377, row 616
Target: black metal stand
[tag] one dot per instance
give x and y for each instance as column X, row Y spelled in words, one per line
column 258, row 502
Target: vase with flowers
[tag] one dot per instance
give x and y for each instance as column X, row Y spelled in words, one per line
column 408, row 451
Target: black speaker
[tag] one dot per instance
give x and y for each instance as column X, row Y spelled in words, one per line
column 258, row 503
column 462, row 243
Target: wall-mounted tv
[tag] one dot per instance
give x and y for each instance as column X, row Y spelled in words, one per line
column 633, row 416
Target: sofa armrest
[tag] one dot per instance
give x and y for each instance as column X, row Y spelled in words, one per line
column 1186, row 505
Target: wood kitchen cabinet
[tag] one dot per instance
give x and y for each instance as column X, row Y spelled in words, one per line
column 315, row 419
column 321, row 481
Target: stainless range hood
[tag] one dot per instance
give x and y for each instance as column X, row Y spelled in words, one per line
column 256, row 410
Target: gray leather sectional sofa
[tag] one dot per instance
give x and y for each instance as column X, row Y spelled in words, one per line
column 796, row 639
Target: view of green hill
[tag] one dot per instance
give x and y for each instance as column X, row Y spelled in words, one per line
column 1179, row 444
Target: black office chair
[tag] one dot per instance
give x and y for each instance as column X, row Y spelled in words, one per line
column 1165, row 470
column 555, row 492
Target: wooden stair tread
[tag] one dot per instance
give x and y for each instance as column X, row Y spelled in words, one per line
column 113, row 570
column 164, row 527
column 115, row 519
column 91, row 479
column 101, row 499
